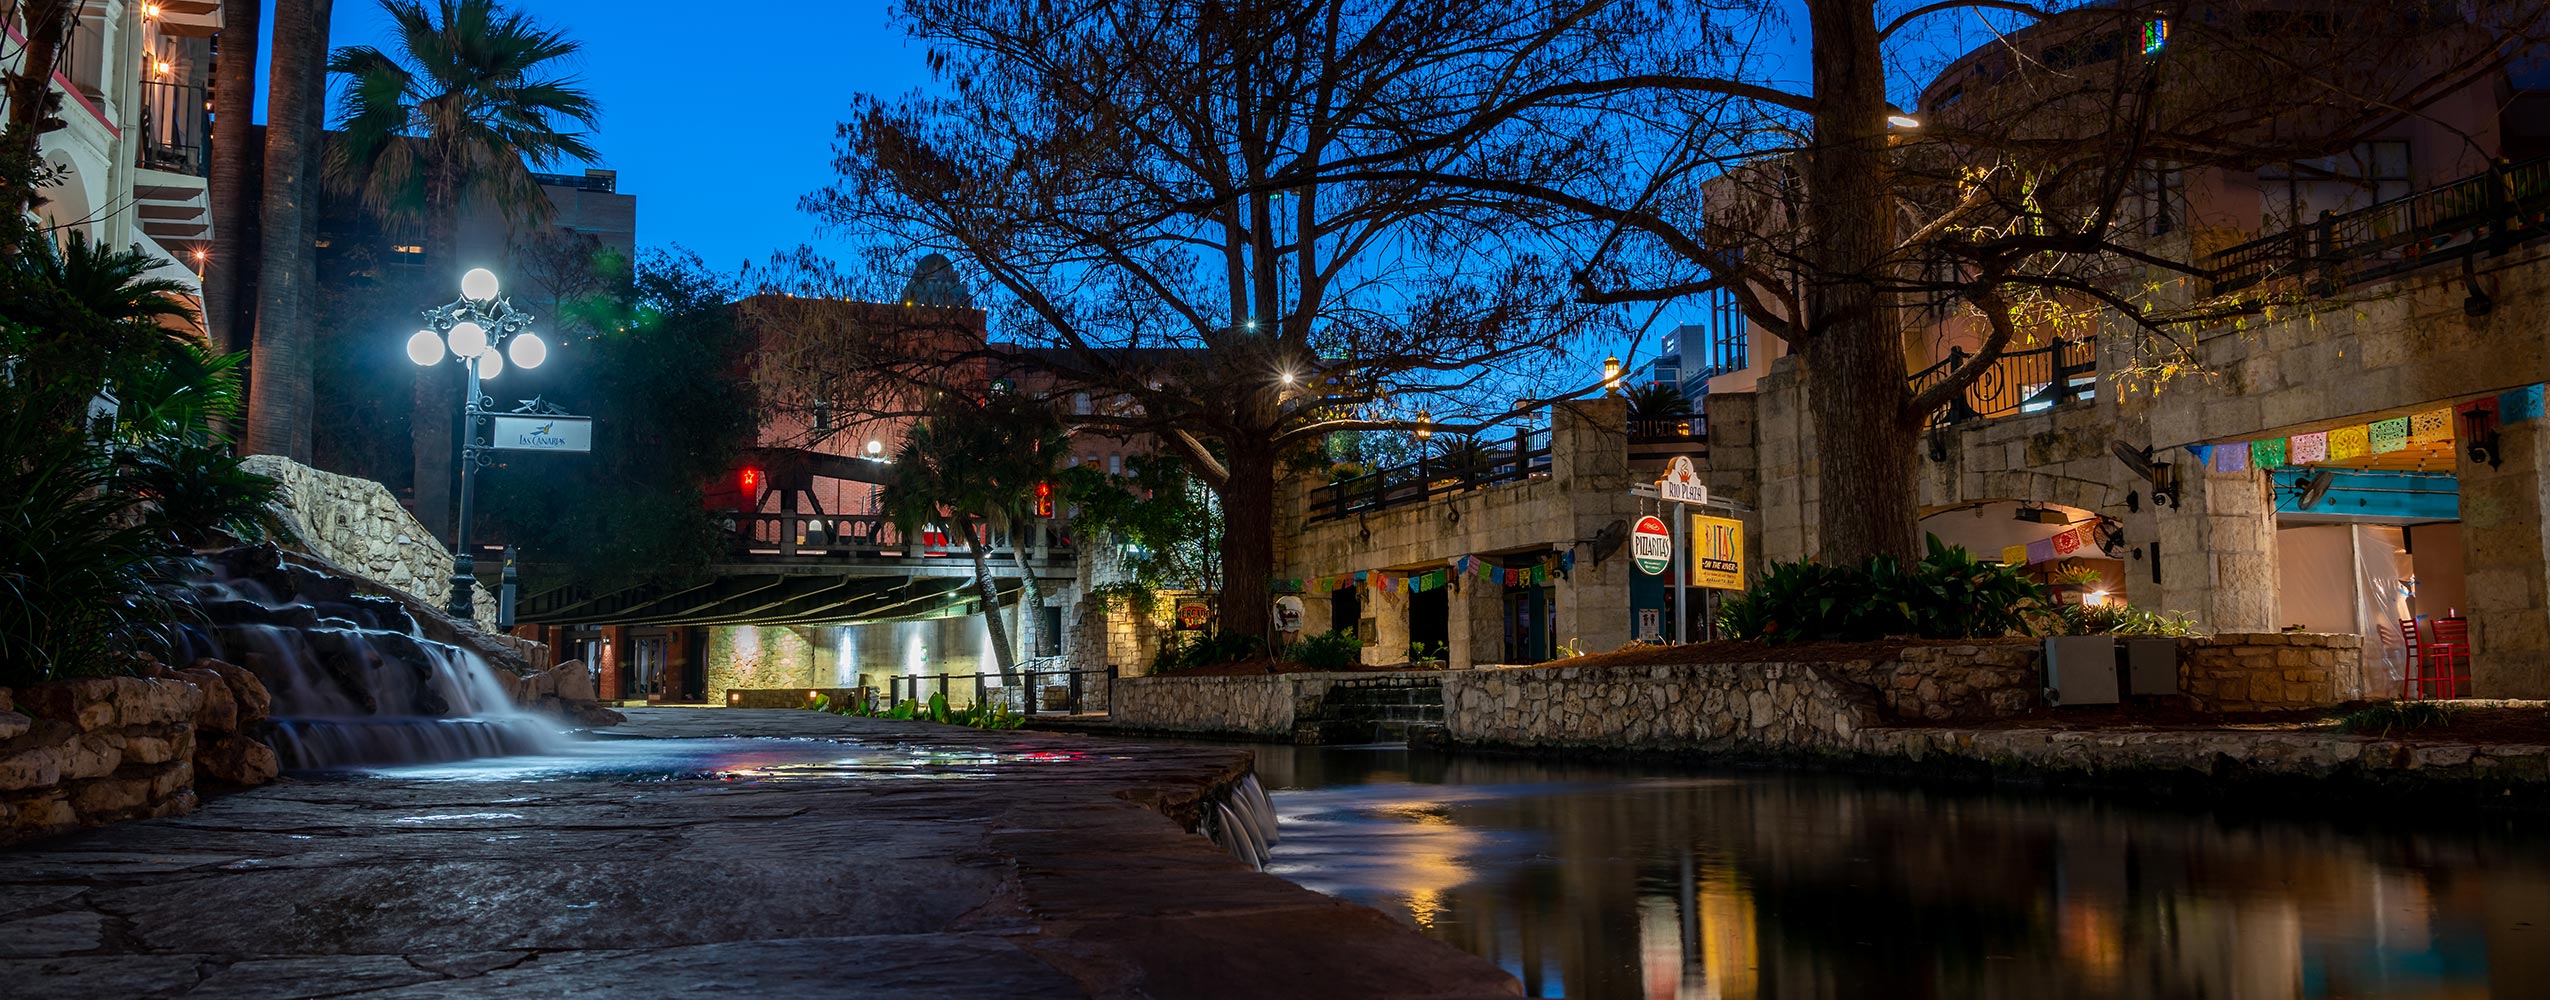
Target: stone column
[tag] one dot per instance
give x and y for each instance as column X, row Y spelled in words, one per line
column 2218, row 551
column 1389, row 612
column 2503, row 554
column 1477, row 620
column 615, row 643
column 1593, row 604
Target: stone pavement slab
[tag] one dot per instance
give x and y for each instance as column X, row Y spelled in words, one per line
column 1001, row 865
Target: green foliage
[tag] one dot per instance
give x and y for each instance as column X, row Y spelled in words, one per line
column 643, row 355
column 1336, row 649
column 76, row 573
column 976, row 459
column 1166, row 525
column 1428, row 655
column 1204, row 649
column 474, row 97
column 2383, row 718
column 1658, row 402
column 2114, row 619
column 937, row 711
column 194, row 490
column 1947, row 595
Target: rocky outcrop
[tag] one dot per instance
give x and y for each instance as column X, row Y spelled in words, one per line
column 98, row 750
column 356, row 524
column 565, row 691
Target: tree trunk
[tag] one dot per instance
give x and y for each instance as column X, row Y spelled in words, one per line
column 989, row 591
column 432, row 416
column 1031, row 598
column 1248, row 539
column 1857, row 404
column 314, row 118
column 28, row 91
column 230, row 271
column 280, row 394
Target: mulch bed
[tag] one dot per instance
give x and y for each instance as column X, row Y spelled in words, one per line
column 1260, row 666
column 2479, row 723
column 1639, row 654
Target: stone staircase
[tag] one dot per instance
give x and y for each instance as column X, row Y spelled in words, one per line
column 1389, row 708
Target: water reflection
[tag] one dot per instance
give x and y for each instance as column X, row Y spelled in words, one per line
column 725, row 759
column 1616, row 881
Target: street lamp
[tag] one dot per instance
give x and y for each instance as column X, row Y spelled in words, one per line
column 480, row 331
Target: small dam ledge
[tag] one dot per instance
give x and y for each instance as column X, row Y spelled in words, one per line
column 1849, row 715
column 1005, row 864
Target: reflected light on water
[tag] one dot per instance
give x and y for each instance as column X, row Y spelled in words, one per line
column 1627, row 881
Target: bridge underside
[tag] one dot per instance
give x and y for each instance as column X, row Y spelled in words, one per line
column 764, row 598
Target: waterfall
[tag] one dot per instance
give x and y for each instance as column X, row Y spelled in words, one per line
column 1241, row 819
column 355, row 680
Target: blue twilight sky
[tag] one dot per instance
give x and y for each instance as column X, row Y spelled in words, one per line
column 717, row 129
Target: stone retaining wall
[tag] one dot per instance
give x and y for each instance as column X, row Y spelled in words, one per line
column 1341, row 706
column 2271, row 671
column 358, row 525
column 1674, row 706
column 98, row 750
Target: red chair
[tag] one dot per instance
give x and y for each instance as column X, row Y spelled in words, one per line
column 2408, row 636
column 2441, row 661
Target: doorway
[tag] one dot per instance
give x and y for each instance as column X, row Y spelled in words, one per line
column 1430, row 624
column 1530, row 615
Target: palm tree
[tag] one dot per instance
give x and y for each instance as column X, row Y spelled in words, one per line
column 226, row 272
column 472, row 100
column 973, row 466
column 1658, row 402
column 280, row 393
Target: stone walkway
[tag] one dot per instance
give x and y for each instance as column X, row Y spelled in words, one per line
column 965, row 878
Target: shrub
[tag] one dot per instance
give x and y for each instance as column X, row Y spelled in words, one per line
column 1204, row 650
column 76, row 576
column 2114, row 619
column 2382, row 718
column 1947, row 595
column 1336, row 649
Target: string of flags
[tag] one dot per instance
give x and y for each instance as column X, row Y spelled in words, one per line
column 1459, row 568
column 2379, row 437
column 2063, row 545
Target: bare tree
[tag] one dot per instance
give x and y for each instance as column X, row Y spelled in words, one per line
column 2017, row 201
column 1109, row 172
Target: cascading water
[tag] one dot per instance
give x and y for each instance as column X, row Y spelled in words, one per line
column 355, row 680
column 1241, row 819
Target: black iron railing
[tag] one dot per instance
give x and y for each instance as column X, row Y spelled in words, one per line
column 175, row 124
column 1071, row 692
column 1668, row 429
column 2504, row 207
column 1524, row 456
column 2018, row 382
column 870, row 536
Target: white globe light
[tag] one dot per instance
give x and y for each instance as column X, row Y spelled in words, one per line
column 469, row 339
column 527, row 350
column 876, row 447
column 478, row 285
column 490, row 365
column 424, row 348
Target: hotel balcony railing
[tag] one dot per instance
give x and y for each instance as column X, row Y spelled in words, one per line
column 1524, row 456
column 2017, row 382
column 1663, row 430
column 176, row 128
column 2494, row 211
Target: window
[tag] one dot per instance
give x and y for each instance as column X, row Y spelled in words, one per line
column 1115, row 465
column 2161, row 193
column 1080, row 403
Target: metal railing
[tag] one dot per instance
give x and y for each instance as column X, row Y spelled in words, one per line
column 1033, row 698
column 1524, row 456
column 1655, row 429
column 175, row 126
column 2506, row 206
column 2018, row 382
column 874, row 537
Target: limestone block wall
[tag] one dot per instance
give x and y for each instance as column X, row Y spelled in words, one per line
column 2271, row 671
column 99, row 750
column 358, row 525
column 1250, row 706
column 1991, row 679
column 1660, row 707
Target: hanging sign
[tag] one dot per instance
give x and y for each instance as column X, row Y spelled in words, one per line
column 1288, row 614
column 1193, row 614
column 1717, row 552
column 512, row 432
column 1681, row 483
column 1651, row 545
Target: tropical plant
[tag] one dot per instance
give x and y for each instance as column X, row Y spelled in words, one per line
column 2113, row 618
column 1205, row 649
column 80, row 316
column 191, row 489
column 1658, row 402
column 973, row 465
column 1165, row 524
column 76, row 574
column 1335, row 649
column 1947, row 595
column 473, row 99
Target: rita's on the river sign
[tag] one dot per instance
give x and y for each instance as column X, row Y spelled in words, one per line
column 1651, row 545
column 1681, row 483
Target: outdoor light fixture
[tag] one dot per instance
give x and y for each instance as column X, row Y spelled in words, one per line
column 1611, row 374
column 875, row 447
column 1425, row 425
column 479, row 285
column 1286, row 378
column 481, row 332
column 2094, row 599
column 2043, row 515
column 1899, row 119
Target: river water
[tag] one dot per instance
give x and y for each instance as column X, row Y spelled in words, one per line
column 1622, row 880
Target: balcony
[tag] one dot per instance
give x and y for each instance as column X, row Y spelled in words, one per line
column 172, row 149
column 2491, row 212
column 2018, row 382
column 1453, row 467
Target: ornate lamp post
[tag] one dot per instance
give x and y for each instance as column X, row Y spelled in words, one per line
column 480, row 331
